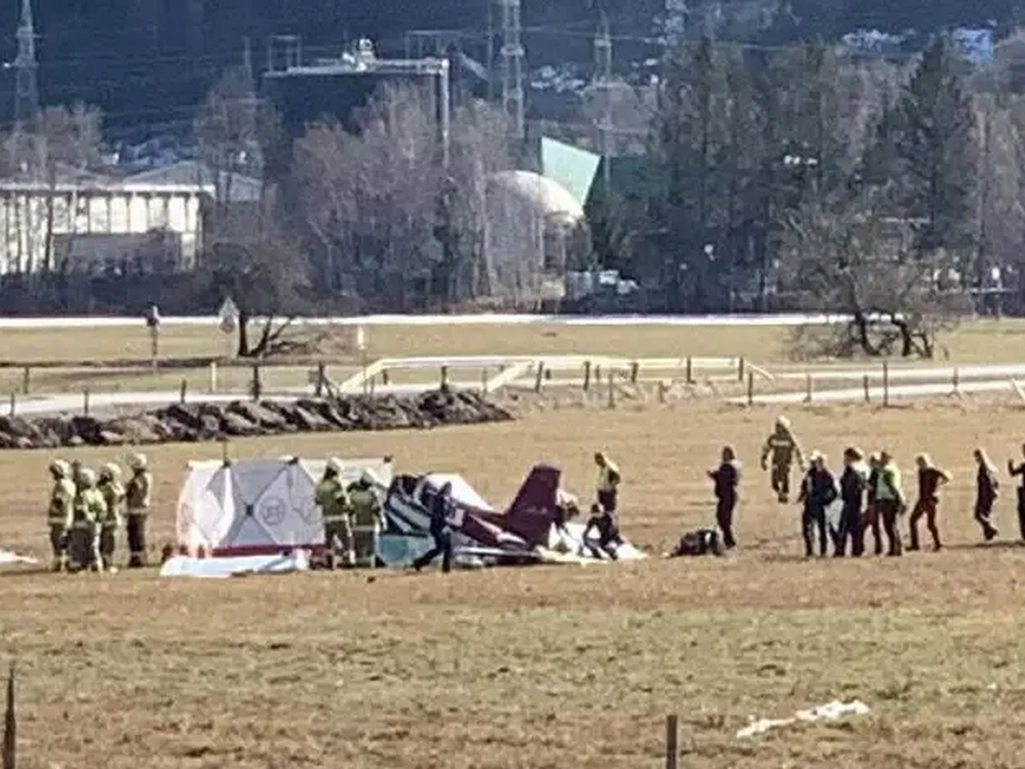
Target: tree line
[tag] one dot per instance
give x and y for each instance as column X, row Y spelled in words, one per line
column 800, row 178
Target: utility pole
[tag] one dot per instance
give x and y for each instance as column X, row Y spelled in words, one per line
column 26, row 92
column 512, row 65
column 603, row 89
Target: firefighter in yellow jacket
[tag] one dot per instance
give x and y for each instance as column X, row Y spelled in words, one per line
column 138, row 498
column 61, row 512
column 89, row 512
column 784, row 449
column 333, row 502
column 366, row 518
column 114, row 494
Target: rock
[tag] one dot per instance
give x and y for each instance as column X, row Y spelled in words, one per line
column 111, row 438
column 86, row 428
column 187, row 414
column 309, row 419
column 237, row 425
column 259, row 415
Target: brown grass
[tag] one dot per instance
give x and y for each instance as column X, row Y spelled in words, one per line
column 559, row 667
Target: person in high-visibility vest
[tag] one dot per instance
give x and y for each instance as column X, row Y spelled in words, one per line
column 60, row 514
column 90, row 510
column 608, row 482
column 366, row 518
column 333, row 502
column 890, row 502
column 114, row 494
column 784, row 449
column 138, row 496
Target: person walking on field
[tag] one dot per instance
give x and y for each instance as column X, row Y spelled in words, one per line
column 139, row 497
column 726, row 478
column 784, row 449
column 608, row 482
column 853, row 483
column 818, row 491
column 986, row 488
column 441, row 531
column 930, row 478
column 890, row 502
column 870, row 520
column 1020, row 471
column 61, row 512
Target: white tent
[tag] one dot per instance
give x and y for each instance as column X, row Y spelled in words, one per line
column 258, row 506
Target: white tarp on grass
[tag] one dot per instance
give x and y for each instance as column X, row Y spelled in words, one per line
column 258, row 506
column 9, row 556
column 222, row 568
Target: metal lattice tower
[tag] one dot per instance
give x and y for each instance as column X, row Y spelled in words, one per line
column 603, row 90
column 26, row 91
column 512, row 65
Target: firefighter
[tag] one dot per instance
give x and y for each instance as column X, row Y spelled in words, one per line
column 441, row 511
column 890, row 502
column 818, row 491
column 76, row 473
column 89, row 512
column 608, row 482
column 726, row 478
column 785, row 450
column 1019, row 470
column 367, row 518
column 138, row 497
column 605, row 523
column 852, row 494
column 61, row 512
column 930, row 478
column 330, row 496
column 114, row 494
column 986, row 487
column 870, row 520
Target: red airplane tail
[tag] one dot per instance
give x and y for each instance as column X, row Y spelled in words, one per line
column 532, row 512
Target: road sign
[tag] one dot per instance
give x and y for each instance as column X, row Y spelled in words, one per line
column 228, row 316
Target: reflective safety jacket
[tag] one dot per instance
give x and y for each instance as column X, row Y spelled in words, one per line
column 783, row 447
column 365, row 505
column 90, row 508
column 330, row 498
column 138, row 491
column 114, row 495
column 608, row 477
column 62, row 503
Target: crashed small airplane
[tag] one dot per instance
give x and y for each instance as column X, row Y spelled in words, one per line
column 531, row 530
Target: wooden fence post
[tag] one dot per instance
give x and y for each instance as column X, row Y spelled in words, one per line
column 672, row 741
column 484, row 380
column 956, row 381
column 750, row 388
column 184, row 389
column 612, row 390
column 808, row 388
column 540, row 376
column 587, row 375
column 10, row 725
column 886, row 383
column 213, row 376
column 864, row 385
column 690, row 370
column 26, row 380
column 741, row 365
column 320, row 379
column 444, row 377
column 14, row 403
column 385, row 379
column 257, row 386
column 635, row 370
column 85, row 401
column 661, row 391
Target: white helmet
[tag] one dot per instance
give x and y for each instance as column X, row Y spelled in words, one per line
column 60, row 468
column 110, row 470
column 782, row 421
column 138, row 462
column 334, row 464
column 87, row 477
column 368, row 477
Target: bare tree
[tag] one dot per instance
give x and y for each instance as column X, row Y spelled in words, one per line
column 848, row 254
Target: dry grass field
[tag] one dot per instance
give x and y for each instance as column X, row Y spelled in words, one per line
column 568, row 668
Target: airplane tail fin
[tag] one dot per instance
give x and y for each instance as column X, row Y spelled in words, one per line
column 532, row 512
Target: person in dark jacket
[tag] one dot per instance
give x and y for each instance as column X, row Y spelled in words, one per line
column 441, row 513
column 604, row 522
column 1020, row 471
column 930, row 478
column 726, row 478
column 853, row 483
column 986, row 485
column 818, row 491
column 870, row 520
